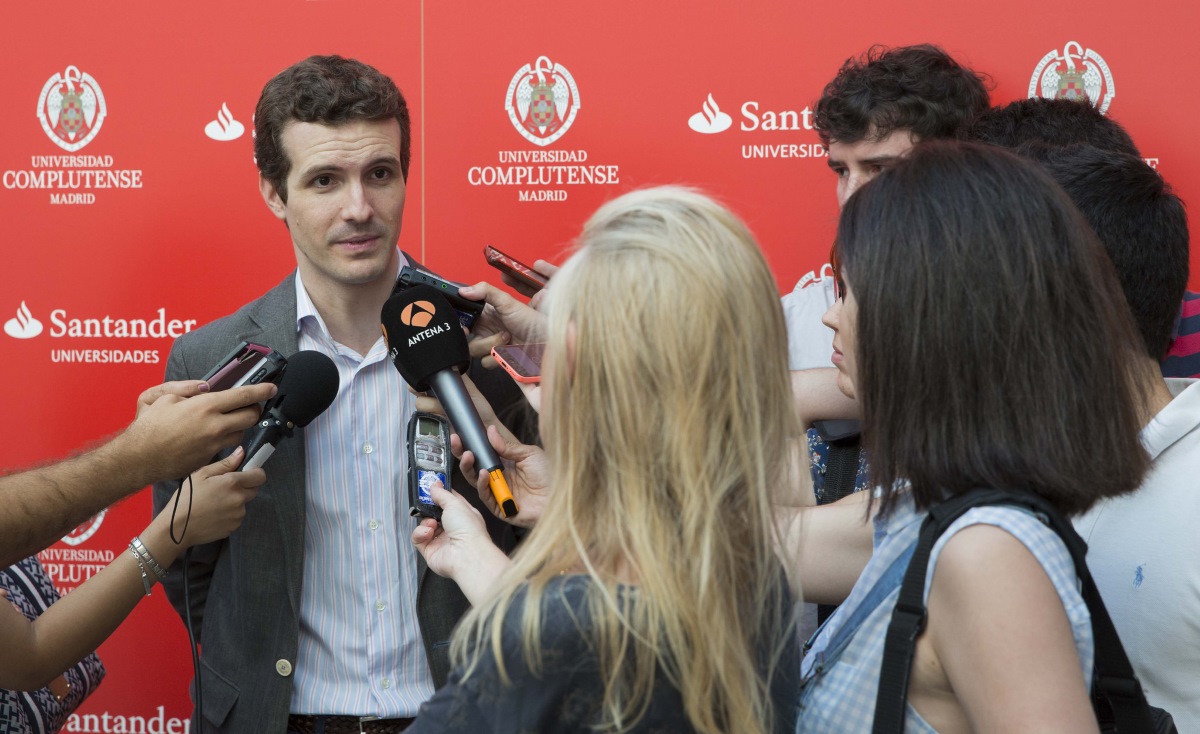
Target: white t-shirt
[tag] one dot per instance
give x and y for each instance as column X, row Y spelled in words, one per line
column 1144, row 552
column 810, row 343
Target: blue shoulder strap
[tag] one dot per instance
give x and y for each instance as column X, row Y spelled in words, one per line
column 884, row 586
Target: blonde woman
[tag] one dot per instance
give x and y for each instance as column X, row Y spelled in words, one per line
column 648, row 597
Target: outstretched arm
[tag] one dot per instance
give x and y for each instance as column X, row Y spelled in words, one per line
column 826, row 547
column 177, row 429
column 36, row 652
column 818, row 398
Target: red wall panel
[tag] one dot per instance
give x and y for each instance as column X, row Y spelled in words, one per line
column 195, row 241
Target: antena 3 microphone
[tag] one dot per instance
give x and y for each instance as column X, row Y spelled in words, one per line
column 430, row 351
column 307, row 389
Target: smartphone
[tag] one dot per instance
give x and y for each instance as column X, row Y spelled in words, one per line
column 518, row 270
column 522, row 361
column 467, row 309
column 247, row 364
column 428, row 461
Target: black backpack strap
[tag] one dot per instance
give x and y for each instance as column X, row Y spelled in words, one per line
column 908, row 618
column 1116, row 691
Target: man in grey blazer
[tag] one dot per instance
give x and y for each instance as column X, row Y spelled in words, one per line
column 318, row 615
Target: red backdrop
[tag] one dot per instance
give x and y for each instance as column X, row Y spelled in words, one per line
column 174, row 229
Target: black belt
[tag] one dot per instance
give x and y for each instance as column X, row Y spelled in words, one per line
column 308, row 724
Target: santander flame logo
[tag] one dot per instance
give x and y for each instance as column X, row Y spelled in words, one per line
column 711, row 119
column 24, row 326
column 225, row 127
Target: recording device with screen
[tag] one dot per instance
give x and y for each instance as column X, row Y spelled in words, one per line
column 514, row 268
column 431, row 353
column 467, row 309
column 522, row 361
column 428, row 461
column 247, row 364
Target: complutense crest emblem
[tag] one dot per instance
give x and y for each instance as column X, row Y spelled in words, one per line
column 71, row 109
column 542, row 101
column 1076, row 73
column 85, row 531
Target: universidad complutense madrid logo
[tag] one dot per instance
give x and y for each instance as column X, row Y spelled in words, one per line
column 85, row 531
column 71, row 109
column 710, row 119
column 542, row 101
column 1075, row 73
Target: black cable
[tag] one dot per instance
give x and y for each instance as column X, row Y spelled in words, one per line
column 187, row 597
column 187, row 606
column 175, row 509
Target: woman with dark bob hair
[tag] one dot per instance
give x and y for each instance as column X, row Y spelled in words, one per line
column 982, row 329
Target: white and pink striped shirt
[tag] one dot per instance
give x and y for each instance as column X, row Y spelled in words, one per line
column 360, row 651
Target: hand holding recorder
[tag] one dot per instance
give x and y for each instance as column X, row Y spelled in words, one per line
column 459, row 547
column 430, row 352
column 525, row 466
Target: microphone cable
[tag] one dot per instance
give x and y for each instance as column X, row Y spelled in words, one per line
column 187, row 597
column 187, row 606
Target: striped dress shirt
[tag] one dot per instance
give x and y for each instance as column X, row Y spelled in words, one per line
column 360, row 650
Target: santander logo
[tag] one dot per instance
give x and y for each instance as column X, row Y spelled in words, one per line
column 711, row 119
column 24, row 326
column 225, row 127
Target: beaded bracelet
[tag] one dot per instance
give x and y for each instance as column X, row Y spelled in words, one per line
column 142, row 568
column 140, row 549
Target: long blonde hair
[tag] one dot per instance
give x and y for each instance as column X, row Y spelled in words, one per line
column 668, row 434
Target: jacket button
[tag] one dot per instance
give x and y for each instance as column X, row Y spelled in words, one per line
column 283, row 667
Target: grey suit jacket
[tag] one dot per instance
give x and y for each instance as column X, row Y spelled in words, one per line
column 245, row 591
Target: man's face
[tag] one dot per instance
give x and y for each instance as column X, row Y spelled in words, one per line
column 345, row 200
column 857, row 163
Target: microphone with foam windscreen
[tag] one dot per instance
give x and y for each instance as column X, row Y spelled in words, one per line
column 430, row 351
column 308, row 387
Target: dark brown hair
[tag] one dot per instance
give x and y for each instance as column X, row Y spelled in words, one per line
column 1139, row 220
column 918, row 88
column 1055, row 122
column 329, row 90
column 993, row 344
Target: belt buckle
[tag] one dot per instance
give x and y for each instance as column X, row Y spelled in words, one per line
column 364, row 719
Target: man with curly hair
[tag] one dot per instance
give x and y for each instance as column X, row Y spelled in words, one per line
column 877, row 107
column 869, row 115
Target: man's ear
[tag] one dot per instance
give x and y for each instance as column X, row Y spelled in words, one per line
column 274, row 201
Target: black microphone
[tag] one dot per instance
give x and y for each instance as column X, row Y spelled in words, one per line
column 429, row 349
column 308, row 387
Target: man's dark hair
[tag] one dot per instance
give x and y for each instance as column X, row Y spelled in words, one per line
column 329, row 90
column 1056, row 122
column 993, row 346
column 1141, row 223
column 918, row 88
